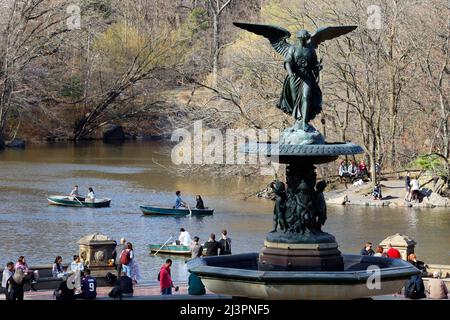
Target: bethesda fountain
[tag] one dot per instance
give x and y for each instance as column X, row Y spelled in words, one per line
column 299, row 260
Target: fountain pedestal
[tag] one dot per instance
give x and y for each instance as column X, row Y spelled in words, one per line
column 297, row 242
column 277, row 256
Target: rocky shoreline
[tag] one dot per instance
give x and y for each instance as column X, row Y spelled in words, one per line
column 393, row 196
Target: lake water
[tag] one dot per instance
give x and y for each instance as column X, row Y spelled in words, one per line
column 141, row 173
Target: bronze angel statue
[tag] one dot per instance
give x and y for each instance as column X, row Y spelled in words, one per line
column 301, row 96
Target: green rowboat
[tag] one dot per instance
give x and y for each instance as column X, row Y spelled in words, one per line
column 170, row 249
column 69, row 201
column 149, row 210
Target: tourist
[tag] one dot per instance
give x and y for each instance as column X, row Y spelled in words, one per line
column 412, row 258
column 179, row 203
column 196, row 248
column 408, row 186
column 195, row 285
column 378, row 170
column 165, row 278
column 352, row 170
column 15, row 285
column 125, row 259
column 225, row 244
column 436, row 287
column 88, row 286
column 116, row 254
column 415, row 288
column 91, row 195
column 342, row 171
column 367, row 250
column 393, row 253
column 75, row 192
column 57, row 268
column 7, row 274
column 200, row 205
column 362, row 169
column 123, row 287
column 184, row 238
column 64, row 293
column 76, row 265
column 376, row 193
column 135, row 271
column 380, row 252
column 28, row 274
column 212, row 246
column 415, row 187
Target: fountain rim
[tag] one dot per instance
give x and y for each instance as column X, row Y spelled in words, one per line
column 331, row 150
column 399, row 270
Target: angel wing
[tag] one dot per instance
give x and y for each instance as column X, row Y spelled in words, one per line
column 328, row 33
column 276, row 35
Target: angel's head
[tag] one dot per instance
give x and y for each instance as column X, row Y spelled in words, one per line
column 303, row 36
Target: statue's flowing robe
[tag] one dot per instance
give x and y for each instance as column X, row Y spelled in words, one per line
column 300, row 87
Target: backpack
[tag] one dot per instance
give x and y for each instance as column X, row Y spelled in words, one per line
column 111, row 278
column 125, row 257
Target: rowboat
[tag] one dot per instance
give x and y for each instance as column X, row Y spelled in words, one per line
column 170, row 249
column 69, row 201
column 148, row 210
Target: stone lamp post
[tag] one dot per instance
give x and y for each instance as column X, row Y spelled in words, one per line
column 96, row 250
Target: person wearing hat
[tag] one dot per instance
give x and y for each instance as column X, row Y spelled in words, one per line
column 436, row 287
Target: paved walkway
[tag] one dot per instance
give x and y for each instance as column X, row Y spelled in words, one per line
column 141, row 291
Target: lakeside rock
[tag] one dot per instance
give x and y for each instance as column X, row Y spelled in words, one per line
column 341, row 200
column 2, row 144
column 16, row 144
column 436, row 200
column 113, row 133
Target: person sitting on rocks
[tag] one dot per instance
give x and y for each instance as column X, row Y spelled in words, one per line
column 362, row 169
column 343, row 173
column 352, row 170
column 376, row 193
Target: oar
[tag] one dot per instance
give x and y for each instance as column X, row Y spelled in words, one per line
column 78, row 201
column 163, row 245
column 190, row 211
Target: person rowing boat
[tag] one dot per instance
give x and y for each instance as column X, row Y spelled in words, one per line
column 76, row 194
column 179, row 203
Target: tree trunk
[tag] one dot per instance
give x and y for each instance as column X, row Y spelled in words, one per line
column 216, row 49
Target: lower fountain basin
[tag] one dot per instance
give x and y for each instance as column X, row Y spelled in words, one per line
column 238, row 276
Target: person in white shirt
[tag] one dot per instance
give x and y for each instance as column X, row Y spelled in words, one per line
column 184, row 238
column 76, row 264
column 415, row 187
column 74, row 192
column 8, row 272
column 91, row 195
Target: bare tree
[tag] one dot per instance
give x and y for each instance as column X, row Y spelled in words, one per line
column 217, row 8
column 31, row 30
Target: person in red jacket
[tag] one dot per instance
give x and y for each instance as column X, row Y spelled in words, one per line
column 393, row 253
column 165, row 279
